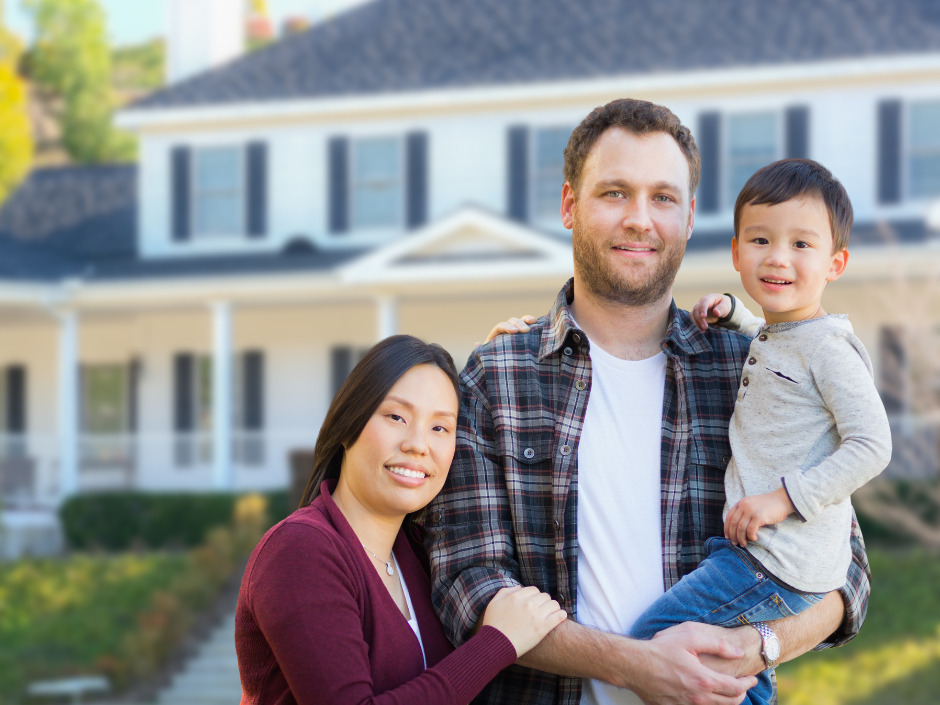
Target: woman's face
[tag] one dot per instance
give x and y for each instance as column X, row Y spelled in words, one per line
column 400, row 460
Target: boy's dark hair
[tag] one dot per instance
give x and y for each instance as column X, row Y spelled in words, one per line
column 787, row 179
column 638, row 116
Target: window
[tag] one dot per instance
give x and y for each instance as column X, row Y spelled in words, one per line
column 376, row 183
column 105, row 399
column 218, row 191
column 4, row 402
column 548, row 160
column 924, row 150
column 752, row 143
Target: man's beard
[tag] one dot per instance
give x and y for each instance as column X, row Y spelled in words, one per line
column 641, row 287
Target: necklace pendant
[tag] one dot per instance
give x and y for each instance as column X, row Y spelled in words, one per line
column 389, row 569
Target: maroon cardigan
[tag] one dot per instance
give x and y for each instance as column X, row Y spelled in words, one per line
column 315, row 624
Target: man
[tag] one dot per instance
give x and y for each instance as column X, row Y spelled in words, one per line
column 592, row 449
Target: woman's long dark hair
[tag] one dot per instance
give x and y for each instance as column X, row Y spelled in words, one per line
column 362, row 392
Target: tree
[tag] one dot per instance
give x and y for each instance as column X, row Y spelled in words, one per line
column 16, row 145
column 71, row 57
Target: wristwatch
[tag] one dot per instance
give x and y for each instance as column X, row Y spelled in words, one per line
column 770, row 644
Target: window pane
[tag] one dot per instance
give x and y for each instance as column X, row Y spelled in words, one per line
column 3, row 405
column 752, row 143
column 218, row 214
column 377, row 191
column 924, row 157
column 548, row 172
column 204, row 394
column 104, row 401
column 217, row 169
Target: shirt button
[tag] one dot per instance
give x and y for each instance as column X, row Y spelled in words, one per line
column 566, row 450
column 529, row 453
column 567, row 351
column 744, row 381
column 561, row 597
column 435, row 517
column 556, row 524
column 580, row 385
column 577, row 338
column 762, row 337
column 752, row 361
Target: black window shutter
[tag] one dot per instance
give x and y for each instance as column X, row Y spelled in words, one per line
column 708, row 139
column 16, row 399
column 889, row 151
column 341, row 365
column 184, row 392
column 517, row 177
column 338, row 184
column 133, row 382
column 416, row 200
column 797, row 132
column 253, row 386
column 180, row 158
column 257, row 189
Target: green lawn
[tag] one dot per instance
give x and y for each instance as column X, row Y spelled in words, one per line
column 895, row 660
column 61, row 617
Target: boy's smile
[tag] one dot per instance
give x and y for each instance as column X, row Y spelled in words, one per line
column 784, row 254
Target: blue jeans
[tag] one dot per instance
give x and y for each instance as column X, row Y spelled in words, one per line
column 727, row 589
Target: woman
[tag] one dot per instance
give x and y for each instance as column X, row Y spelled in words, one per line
column 335, row 603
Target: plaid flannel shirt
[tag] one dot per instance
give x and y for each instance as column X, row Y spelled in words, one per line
column 507, row 514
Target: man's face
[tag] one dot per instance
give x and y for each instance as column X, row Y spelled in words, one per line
column 631, row 217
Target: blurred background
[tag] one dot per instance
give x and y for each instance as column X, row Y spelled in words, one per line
column 209, row 209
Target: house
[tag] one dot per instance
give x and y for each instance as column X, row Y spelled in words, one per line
column 183, row 323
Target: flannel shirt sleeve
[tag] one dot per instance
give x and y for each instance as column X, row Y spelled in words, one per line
column 469, row 530
column 854, row 593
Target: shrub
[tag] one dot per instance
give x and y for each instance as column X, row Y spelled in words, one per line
column 118, row 521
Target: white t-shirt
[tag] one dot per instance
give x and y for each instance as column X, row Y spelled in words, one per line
column 620, row 569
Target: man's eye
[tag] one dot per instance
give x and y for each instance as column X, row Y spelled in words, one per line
column 759, row 240
column 663, row 198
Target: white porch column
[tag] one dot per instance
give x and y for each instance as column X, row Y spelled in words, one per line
column 223, row 472
column 387, row 316
column 68, row 411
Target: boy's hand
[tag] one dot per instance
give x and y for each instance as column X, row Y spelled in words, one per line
column 709, row 309
column 751, row 513
column 513, row 325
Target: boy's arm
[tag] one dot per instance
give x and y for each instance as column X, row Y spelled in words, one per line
column 726, row 311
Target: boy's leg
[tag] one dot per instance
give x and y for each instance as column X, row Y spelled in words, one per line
column 727, row 590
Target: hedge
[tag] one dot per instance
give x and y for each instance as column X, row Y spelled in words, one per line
column 117, row 521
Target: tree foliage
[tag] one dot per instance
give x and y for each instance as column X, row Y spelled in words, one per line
column 72, row 58
column 16, row 146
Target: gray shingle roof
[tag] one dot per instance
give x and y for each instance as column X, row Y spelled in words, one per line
column 412, row 45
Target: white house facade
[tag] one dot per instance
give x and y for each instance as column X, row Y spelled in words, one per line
column 182, row 324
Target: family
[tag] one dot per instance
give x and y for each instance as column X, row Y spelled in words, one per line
column 619, row 502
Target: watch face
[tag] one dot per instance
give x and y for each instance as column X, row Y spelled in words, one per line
column 772, row 648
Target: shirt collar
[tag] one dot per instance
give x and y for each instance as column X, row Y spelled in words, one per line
column 682, row 336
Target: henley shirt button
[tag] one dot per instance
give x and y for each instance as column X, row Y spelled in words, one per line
column 745, row 381
column 556, row 524
column 529, row 453
column 752, row 361
column 561, row 598
column 435, row 517
column 566, row 450
column 577, row 338
column 567, row 351
column 762, row 337
column 580, row 385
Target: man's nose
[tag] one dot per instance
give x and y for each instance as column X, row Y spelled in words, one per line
column 637, row 215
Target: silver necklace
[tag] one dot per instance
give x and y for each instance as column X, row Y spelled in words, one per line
column 387, row 564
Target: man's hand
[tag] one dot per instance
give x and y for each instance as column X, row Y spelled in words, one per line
column 513, row 325
column 673, row 671
column 709, row 309
column 751, row 513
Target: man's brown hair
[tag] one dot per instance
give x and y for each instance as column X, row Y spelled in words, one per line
column 638, row 116
column 787, row 179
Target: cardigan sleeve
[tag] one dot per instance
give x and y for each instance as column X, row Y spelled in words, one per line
column 308, row 605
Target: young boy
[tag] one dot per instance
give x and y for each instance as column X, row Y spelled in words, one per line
column 808, row 426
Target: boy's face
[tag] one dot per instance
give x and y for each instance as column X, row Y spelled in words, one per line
column 784, row 254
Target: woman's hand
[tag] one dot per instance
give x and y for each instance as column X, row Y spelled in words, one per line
column 513, row 325
column 709, row 309
column 524, row 615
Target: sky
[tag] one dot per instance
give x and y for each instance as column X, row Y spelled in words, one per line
column 134, row 21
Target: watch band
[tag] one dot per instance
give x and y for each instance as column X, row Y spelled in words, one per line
column 770, row 645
